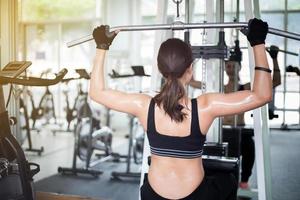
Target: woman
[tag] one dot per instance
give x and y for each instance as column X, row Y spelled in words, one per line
column 176, row 126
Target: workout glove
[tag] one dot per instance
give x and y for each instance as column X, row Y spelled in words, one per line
column 256, row 32
column 273, row 51
column 103, row 37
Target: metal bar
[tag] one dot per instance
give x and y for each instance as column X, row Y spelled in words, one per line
column 174, row 26
column 285, row 34
column 183, row 26
column 280, row 50
column 288, row 109
column 287, row 52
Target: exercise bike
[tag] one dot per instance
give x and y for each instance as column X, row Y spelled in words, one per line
column 26, row 127
column 16, row 180
column 136, row 133
column 89, row 136
column 71, row 111
column 45, row 108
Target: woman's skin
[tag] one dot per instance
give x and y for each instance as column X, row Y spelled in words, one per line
column 176, row 178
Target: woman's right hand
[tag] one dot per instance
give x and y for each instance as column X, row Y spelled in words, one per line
column 256, row 32
column 103, row 38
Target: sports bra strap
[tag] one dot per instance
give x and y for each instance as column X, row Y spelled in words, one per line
column 195, row 120
column 150, row 120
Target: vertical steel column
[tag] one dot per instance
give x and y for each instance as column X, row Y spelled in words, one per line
column 261, row 129
column 221, row 74
column 187, row 11
column 299, row 87
column 236, row 71
column 285, row 57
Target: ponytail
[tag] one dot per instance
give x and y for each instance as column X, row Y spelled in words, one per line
column 172, row 91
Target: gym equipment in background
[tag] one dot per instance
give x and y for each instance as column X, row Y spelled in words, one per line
column 45, row 108
column 25, row 126
column 89, row 136
column 136, row 133
column 16, row 181
column 71, row 111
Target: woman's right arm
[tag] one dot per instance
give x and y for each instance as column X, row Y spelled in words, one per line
column 273, row 51
column 217, row 105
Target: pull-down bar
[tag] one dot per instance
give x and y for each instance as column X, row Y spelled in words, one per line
column 182, row 26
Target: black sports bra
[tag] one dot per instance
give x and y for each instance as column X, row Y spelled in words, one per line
column 186, row 147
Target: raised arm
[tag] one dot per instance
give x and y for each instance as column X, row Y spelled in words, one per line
column 237, row 102
column 195, row 84
column 113, row 99
column 273, row 51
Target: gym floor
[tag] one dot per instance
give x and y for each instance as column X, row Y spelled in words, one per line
column 59, row 152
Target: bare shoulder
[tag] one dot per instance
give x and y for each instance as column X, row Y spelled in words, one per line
column 143, row 102
column 145, row 99
column 202, row 100
column 204, row 112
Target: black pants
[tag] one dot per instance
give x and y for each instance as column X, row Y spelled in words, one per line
column 248, row 153
column 221, row 186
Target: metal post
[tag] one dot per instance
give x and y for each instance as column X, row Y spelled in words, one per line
column 237, row 17
column 261, row 129
column 221, row 74
column 187, row 11
column 236, row 71
column 285, row 57
column 299, row 88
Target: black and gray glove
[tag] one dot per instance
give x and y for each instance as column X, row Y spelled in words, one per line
column 103, row 37
column 256, row 32
column 273, row 51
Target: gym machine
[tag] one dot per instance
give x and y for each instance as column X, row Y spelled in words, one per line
column 71, row 111
column 135, row 139
column 45, row 107
column 89, row 136
column 16, row 179
column 26, row 128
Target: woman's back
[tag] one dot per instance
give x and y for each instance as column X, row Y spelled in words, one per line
column 174, row 165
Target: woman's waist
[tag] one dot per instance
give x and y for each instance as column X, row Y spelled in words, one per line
column 168, row 174
column 176, row 171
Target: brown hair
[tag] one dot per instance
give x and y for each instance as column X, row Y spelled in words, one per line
column 174, row 58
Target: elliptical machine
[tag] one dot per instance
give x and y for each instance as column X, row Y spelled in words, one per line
column 16, row 173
